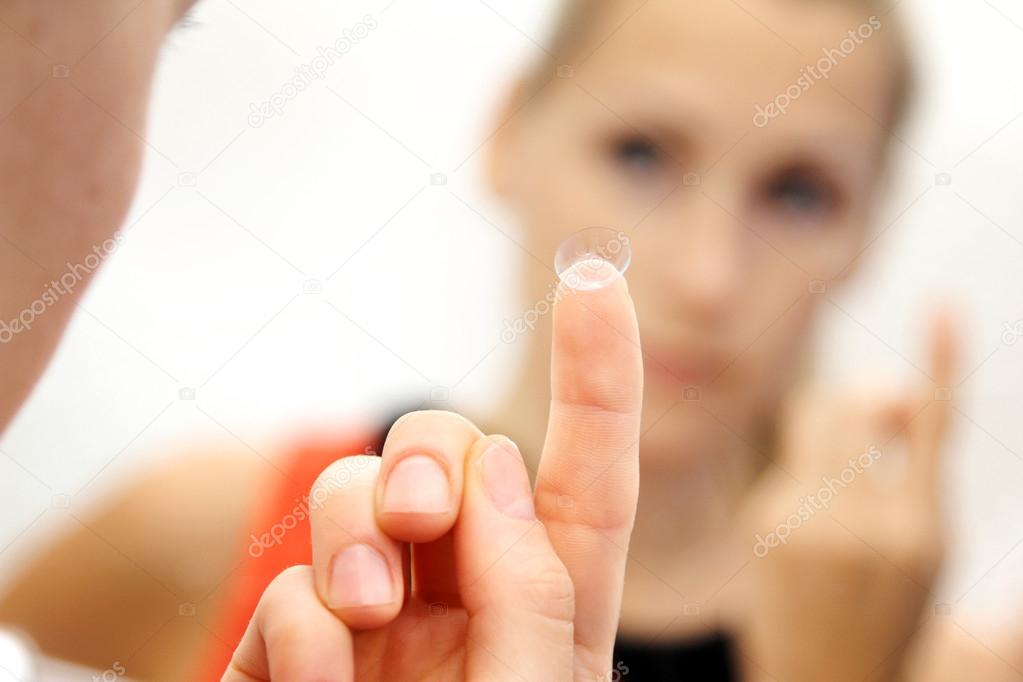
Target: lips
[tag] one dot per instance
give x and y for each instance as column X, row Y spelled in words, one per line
column 681, row 368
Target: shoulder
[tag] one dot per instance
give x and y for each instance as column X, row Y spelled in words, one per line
column 119, row 571
column 950, row 651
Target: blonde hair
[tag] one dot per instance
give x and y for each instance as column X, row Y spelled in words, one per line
column 576, row 17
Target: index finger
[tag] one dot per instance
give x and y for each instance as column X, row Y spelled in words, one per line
column 926, row 433
column 588, row 480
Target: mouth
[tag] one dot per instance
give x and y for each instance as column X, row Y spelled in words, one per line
column 680, row 369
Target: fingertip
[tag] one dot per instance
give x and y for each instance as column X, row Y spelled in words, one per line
column 358, row 568
column 945, row 343
column 596, row 353
column 504, row 477
column 415, row 499
column 363, row 587
column 419, row 491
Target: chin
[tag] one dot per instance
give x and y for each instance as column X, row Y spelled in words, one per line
column 679, row 434
column 686, row 430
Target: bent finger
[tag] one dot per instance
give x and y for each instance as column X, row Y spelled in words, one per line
column 419, row 490
column 292, row 636
column 358, row 567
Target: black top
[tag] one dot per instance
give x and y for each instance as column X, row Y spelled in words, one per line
column 703, row 660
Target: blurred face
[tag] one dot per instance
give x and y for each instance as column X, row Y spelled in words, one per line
column 738, row 221
column 74, row 85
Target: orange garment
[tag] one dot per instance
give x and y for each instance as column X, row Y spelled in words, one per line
column 277, row 538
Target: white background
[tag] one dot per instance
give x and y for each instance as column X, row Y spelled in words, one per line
column 208, row 292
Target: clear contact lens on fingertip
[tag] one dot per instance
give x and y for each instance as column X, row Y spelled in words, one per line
column 592, row 258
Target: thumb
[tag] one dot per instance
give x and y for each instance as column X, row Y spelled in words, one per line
column 518, row 595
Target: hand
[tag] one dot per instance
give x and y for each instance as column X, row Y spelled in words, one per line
column 849, row 540
column 506, row 583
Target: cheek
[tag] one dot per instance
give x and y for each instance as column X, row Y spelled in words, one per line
column 824, row 251
column 779, row 355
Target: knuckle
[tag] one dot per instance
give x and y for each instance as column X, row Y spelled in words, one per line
column 548, row 590
column 342, row 473
column 601, row 390
column 431, row 418
column 282, row 589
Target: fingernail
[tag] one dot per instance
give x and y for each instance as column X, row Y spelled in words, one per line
column 418, row 485
column 505, row 480
column 359, row 576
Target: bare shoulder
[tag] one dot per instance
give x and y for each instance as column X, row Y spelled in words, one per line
column 137, row 578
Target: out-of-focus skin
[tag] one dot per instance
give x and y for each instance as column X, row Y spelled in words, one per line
column 74, row 91
column 721, row 269
column 852, row 530
column 75, row 81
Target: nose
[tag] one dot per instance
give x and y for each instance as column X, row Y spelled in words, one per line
column 701, row 256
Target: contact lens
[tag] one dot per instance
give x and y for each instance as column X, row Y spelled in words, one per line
column 593, row 258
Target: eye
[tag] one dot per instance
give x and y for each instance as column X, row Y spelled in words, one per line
column 637, row 153
column 801, row 191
